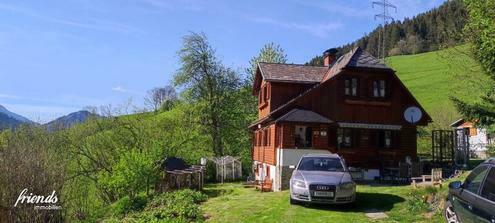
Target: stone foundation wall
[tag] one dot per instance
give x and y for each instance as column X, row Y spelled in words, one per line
column 286, row 174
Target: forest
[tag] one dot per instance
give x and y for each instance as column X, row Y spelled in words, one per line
column 436, row 29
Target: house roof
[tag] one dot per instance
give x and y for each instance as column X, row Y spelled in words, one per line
column 299, row 115
column 356, row 58
column 462, row 123
column 292, row 72
column 457, row 122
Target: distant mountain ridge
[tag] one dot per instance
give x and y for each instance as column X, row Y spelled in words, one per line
column 9, row 120
column 13, row 115
column 70, row 120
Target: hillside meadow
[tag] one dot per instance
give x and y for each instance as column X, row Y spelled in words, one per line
column 434, row 78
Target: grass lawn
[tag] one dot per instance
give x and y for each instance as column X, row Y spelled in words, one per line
column 234, row 203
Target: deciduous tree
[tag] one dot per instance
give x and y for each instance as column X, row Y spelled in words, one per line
column 480, row 30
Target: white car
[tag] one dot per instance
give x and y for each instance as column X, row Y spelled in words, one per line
column 322, row 178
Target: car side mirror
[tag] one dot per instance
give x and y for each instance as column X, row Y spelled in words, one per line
column 455, row 185
column 292, row 167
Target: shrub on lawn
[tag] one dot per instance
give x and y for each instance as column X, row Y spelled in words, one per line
column 429, row 199
column 126, row 205
column 178, row 206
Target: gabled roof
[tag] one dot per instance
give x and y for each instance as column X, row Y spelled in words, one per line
column 291, row 72
column 457, row 122
column 462, row 123
column 356, row 58
column 299, row 115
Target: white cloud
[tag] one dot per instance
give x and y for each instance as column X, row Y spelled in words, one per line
column 122, row 89
column 94, row 24
column 189, row 5
column 319, row 30
column 9, row 96
column 119, row 89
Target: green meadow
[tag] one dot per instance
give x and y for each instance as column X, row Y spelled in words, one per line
column 436, row 76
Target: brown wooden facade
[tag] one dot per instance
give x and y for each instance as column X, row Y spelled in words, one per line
column 350, row 96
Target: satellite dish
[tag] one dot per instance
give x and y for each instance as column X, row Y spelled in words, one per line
column 412, row 114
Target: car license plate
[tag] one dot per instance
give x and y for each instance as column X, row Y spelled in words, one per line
column 323, row 194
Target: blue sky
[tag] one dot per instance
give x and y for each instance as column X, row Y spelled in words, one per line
column 61, row 55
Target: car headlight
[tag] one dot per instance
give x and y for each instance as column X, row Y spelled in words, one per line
column 299, row 183
column 347, row 185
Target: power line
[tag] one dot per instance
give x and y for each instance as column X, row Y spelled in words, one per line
column 385, row 16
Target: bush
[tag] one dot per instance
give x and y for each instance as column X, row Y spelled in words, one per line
column 177, row 206
column 490, row 150
column 126, row 205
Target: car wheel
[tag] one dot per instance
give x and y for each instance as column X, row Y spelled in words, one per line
column 292, row 201
column 449, row 213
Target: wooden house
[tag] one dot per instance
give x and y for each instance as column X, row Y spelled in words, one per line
column 354, row 106
column 475, row 138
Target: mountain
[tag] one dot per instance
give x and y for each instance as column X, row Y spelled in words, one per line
column 9, row 119
column 69, row 120
column 13, row 115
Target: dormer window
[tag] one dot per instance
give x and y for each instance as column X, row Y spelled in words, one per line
column 379, row 88
column 351, row 87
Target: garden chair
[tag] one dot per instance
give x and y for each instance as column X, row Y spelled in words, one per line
column 264, row 186
column 434, row 179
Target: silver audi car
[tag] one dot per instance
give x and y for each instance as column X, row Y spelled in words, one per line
column 322, row 178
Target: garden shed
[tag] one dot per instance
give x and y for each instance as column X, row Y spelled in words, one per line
column 228, row 168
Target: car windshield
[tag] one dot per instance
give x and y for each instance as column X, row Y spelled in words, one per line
column 321, row 164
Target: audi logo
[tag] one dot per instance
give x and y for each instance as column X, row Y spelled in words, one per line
column 321, row 187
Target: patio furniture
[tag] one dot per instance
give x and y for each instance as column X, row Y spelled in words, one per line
column 264, row 186
column 429, row 180
column 356, row 173
column 389, row 175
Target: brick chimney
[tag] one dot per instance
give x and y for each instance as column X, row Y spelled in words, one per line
column 329, row 57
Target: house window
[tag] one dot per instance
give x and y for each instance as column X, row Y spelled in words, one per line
column 303, row 136
column 323, row 133
column 263, row 94
column 346, row 137
column 473, row 131
column 379, row 88
column 385, row 139
column 351, row 87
